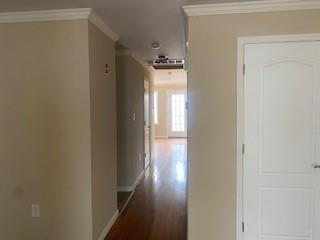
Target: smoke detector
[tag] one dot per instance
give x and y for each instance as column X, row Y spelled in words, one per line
column 155, row 45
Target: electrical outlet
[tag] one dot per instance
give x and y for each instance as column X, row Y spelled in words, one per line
column 35, row 210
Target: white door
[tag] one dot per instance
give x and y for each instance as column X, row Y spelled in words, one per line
column 177, row 114
column 281, row 136
column 147, row 124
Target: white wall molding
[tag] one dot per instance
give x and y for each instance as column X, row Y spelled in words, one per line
column 126, row 203
column 109, row 225
column 59, row 15
column 99, row 23
column 43, row 16
column 133, row 187
column 250, row 7
column 161, row 137
column 125, row 189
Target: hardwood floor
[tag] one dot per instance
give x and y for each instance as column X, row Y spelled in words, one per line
column 157, row 210
column 122, row 199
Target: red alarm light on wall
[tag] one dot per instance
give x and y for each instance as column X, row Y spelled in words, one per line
column 107, row 69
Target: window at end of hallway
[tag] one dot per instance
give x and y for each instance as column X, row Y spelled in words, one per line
column 155, row 107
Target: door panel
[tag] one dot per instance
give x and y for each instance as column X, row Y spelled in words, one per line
column 286, row 107
column 281, row 136
column 279, row 216
column 177, row 115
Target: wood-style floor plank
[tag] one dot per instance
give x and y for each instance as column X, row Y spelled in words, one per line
column 122, row 199
column 157, row 210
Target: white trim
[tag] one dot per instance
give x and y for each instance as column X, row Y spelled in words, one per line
column 124, row 189
column 130, row 189
column 155, row 116
column 109, row 225
column 146, row 128
column 126, row 203
column 59, row 15
column 250, row 7
column 103, row 26
column 240, row 109
column 133, row 187
column 42, row 16
column 161, row 137
column 241, row 43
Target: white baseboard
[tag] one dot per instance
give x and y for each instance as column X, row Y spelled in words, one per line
column 109, row 225
column 124, row 189
column 133, row 187
column 138, row 180
column 160, row 137
column 126, row 203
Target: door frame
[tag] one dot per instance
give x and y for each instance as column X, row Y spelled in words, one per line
column 149, row 124
column 241, row 43
column 169, row 114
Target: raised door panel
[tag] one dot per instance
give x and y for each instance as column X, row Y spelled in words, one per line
column 287, row 117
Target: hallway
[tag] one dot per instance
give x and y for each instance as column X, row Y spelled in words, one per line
column 157, row 210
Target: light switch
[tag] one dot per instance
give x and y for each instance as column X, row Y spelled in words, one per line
column 35, row 210
column 134, row 116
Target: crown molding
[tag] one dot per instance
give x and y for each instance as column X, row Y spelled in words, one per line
column 59, row 15
column 103, row 26
column 48, row 15
column 250, row 7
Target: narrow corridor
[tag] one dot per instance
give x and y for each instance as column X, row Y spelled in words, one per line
column 157, row 210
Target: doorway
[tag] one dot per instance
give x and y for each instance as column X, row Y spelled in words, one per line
column 163, row 181
column 170, row 105
column 278, row 130
column 147, row 125
column 177, row 114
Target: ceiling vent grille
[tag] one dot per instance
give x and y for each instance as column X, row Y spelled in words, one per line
column 163, row 62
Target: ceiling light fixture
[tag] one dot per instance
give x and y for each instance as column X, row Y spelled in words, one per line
column 155, row 45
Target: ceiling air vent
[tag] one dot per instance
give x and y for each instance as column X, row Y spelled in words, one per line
column 163, row 62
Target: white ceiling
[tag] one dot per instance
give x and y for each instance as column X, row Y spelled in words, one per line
column 137, row 22
column 170, row 77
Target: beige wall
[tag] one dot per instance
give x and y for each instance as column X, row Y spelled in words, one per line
column 45, row 131
column 130, row 76
column 58, row 137
column 103, row 129
column 161, row 129
column 212, row 111
column 130, row 99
